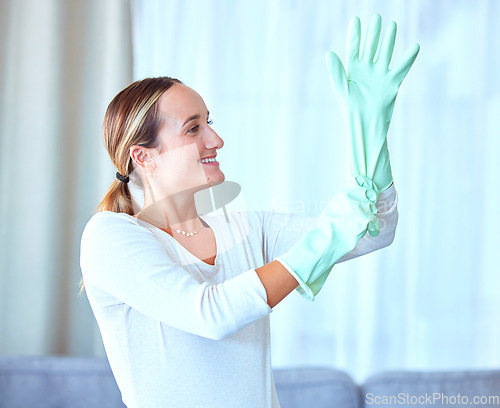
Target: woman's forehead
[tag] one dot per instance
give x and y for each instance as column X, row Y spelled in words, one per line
column 181, row 102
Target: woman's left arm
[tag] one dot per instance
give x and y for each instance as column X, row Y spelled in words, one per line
column 282, row 230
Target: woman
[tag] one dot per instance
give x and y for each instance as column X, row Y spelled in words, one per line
column 183, row 300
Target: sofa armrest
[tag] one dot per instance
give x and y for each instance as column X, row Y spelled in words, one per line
column 436, row 389
column 55, row 381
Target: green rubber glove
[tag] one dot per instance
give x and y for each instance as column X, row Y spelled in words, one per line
column 366, row 93
column 345, row 220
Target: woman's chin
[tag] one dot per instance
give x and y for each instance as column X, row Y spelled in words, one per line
column 214, row 180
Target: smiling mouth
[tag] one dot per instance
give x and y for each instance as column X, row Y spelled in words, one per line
column 210, row 163
column 209, row 160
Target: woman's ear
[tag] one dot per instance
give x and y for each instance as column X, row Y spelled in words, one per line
column 140, row 155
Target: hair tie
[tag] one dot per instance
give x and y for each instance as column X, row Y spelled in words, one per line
column 123, row 179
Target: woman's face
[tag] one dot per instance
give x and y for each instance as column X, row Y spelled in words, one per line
column 186, row 137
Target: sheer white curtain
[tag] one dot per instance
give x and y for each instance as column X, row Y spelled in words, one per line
column 430, row 300
column 61, row 63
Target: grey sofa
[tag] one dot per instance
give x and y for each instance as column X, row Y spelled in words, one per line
column 80, row 382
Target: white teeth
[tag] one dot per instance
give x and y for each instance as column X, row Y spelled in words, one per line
column 208, row 160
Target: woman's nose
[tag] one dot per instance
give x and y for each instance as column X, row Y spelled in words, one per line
column 213, row 140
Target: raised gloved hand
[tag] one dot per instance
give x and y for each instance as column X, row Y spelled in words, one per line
column 366, row 92
column 341, row 225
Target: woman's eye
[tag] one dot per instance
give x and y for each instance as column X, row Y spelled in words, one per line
column 195, row 128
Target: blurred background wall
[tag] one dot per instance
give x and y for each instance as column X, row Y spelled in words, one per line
column 61, row 64
column 429, row 301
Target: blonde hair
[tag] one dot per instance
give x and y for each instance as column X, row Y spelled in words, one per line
column 131, row 119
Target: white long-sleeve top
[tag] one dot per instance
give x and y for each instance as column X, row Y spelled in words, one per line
column 181, row 333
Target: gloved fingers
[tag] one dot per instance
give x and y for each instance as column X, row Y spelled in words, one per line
column 353, row 40
column 387, row 47
column 374, row 227
column 403, row 66
column 337, row 73
column 371, row 39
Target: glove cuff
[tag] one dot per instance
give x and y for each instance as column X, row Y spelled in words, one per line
column 339, row 228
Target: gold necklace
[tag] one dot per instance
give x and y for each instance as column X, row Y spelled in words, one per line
column 188, row 234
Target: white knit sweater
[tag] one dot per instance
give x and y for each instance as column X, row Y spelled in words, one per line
column 179, row 332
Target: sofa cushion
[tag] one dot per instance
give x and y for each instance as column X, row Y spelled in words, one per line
column 87, row 382
column 53, row 381
column 303, row 387
column 436, row 389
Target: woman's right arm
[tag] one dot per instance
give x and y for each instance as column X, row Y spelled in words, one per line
column 124, row 260
column 282, row 230
column 277, row 281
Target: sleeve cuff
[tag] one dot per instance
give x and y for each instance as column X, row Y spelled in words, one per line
column 257, row 290
column 386, row 199
column 304, row 290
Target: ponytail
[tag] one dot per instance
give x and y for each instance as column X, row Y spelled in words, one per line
column 117, row 199
column 131, row 119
